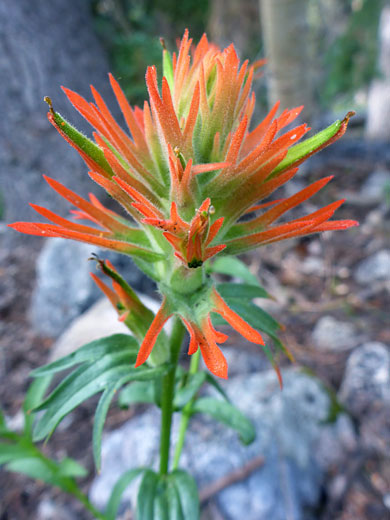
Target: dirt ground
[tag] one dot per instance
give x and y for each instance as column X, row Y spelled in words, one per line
column 303, row 297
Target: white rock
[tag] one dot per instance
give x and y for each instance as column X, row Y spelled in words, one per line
column 366, row 383
column 49, row 510
column 99, row 321
column 332, row 334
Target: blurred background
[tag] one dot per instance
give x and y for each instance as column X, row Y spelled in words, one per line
column 331, row 292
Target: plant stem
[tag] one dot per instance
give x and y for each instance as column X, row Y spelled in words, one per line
column 81, row 497
column 168, row 390
column 186, row 413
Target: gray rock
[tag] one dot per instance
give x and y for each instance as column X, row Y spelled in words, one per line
column 39, row 54
column 366, row 383
column 331, row 334
column 64, row 288
column 374, row 268
column 291, row 435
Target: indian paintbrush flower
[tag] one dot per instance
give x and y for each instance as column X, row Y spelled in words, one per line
column 187, row 171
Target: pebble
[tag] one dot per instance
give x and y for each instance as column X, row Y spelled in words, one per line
column 374, row 268
column 331, row 334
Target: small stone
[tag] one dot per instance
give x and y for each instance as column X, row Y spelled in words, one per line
column 341, row 289
column 313, row 265
column 49, row 510
column 16, row 423
column 366, row 383
column 331, row 334
column 343, row 272
column 374, row 268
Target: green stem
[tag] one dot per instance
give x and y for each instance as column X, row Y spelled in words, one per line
column 186, row 413
column 168, row 390
column 81, row 497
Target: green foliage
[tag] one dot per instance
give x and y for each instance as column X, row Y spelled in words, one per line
column 193, row 384
column 297, row 153
column 104, row 365
column 115, row 498
column 351, row 60
column 87, row 146
column 234, row 267
column 227, row 414
column 18, row 452
column 131, row 29
column 136, row 393
column 170, row 497
column 186, row 388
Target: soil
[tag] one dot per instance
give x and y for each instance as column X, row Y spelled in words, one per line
column 307, row 296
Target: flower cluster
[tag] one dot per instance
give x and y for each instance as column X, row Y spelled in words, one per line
column 187, row 171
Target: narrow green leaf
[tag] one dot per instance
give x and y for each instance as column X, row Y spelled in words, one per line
column 168, row 68
column 36, row 468
column 71, row 468
column 34, row 396
column 188, row 494
column 105, row 400
column 215, row 383
column 84, row 383
column 146, row 495
column 3, row 424
column 81, row 141
column 137, row 392
column 233, row 267
column 255, row 316
column 118, row 490
column 305, row 148
column 173, row 499
column 42, row 469
column 96, row 374
column 7, row 435
column 9, row 452
column 185, row 394
column 243, row 291
column 98, row 422
column 227, row 414
column 91, row 352
column 160, row 509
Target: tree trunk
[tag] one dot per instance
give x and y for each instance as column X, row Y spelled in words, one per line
column 285, row 33
column 378, row 109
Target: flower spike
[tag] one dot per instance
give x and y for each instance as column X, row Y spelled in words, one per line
column 186, row 168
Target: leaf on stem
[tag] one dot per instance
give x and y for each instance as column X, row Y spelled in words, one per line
column 227, row 414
